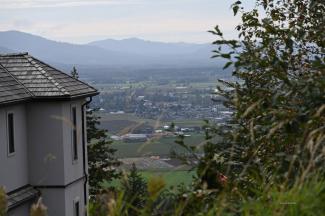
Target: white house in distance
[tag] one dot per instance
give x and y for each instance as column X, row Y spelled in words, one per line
column 42, row 136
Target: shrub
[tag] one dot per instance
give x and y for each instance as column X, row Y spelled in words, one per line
column 38, row 209
column 3, row 202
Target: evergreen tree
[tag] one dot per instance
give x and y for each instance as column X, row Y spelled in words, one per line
column 135, row 190
column 102, row 162
column 74, row 73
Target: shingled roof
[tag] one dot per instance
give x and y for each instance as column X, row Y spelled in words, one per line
column 23, row 77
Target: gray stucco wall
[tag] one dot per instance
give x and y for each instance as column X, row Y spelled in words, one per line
column 22, row 210
column 54, row 200
column 73, row 168
column 13, row 168
column 50, row 143
column 44, row 155
column 45, row 149
column 51, row 155
column 60, row 201
column 72, row 193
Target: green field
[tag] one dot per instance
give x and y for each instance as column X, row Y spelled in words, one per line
column 119, row 124
column 187, row 123
column 125, row 123
column 160, row 146
column 172, row 178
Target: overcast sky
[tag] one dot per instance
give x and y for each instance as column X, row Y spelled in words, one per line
column 81, row 21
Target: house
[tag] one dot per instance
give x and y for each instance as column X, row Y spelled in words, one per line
column 42, row 136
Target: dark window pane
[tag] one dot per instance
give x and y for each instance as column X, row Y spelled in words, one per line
column 74, row 133
column 11, row 133
column 76, row 208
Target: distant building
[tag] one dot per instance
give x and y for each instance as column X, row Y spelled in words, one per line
column 141, row 97
column 135, row 137
column 42, row 136
column 187, row 129
column 116, row 138
column 117, row 113
column 166, row 127
column 227, row 113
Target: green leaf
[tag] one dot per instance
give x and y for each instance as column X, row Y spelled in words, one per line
column 227, row 65
column 235, row 9
column 216, row 31
column 226, row 55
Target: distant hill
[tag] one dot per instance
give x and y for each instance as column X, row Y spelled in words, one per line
column 122, row 53
column 138, row 46
column 58, row 51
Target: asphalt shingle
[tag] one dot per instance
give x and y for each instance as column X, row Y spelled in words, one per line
column 10, row 89
column 24, row 77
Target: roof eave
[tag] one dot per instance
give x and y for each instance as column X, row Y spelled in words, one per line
column 65, row 97
column 49, row 98
column 90, row 94
column 13, row 102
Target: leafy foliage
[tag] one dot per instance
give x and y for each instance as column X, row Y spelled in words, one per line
column 38, row 209
column 3, row 202
column 278, row 125
column 298, row 200
column 276, row 137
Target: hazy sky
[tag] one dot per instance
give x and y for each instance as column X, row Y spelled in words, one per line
column 81, row 21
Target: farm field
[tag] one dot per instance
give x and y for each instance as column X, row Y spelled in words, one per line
column 126, row 123
column 157, row 146
column 119, row 124
column 172, row 178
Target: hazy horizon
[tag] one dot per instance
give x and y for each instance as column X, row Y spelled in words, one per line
column 84, row 21
column 107, row 38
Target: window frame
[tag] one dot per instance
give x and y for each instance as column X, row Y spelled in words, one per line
column 74, row 133
column 9, row 135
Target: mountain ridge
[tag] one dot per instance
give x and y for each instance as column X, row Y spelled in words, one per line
column 140, row 46
column 109, row 52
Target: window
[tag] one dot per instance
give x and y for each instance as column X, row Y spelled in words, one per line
column 76, row 208
column 74, row 133
column 11, row 133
